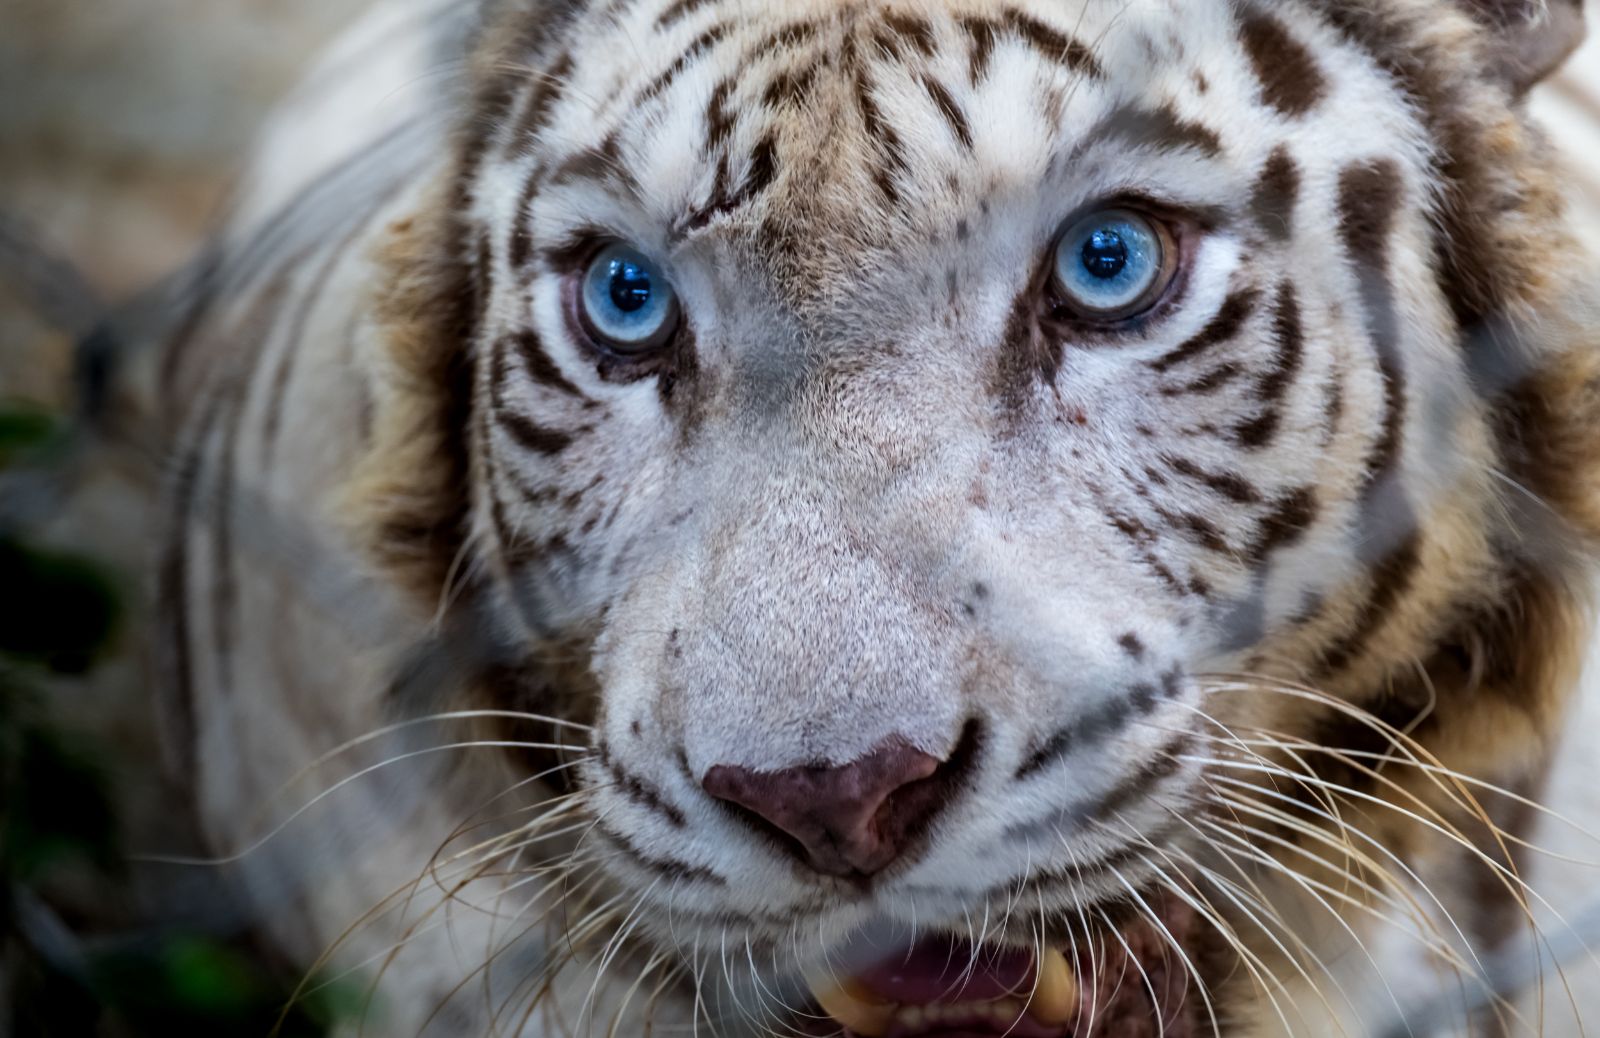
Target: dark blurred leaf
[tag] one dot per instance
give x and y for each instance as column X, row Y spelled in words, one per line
column 211, row 979
column 23, row 430
column 195, row 986
column 59, row 807
column 55, row 609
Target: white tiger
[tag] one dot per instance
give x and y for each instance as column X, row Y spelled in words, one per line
column 895, row 518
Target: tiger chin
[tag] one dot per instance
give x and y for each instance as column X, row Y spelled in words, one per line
column 892, row 518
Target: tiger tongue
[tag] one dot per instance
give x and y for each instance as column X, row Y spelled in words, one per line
column 948, row 970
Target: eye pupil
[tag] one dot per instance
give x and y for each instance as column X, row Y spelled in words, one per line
column 1105, row 254
column 630, row 287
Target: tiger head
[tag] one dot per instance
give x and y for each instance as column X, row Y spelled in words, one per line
column 992, row 474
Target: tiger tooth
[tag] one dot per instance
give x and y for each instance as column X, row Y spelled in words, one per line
column 1055, row 993
column 851, row 1004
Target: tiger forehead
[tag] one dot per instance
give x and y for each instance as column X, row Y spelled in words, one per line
column 826, row 108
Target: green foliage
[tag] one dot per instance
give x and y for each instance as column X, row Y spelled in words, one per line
column 58, row 616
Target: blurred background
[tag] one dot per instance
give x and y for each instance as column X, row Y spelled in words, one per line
column 122, row 124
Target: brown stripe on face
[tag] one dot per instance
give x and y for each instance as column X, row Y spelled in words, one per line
column 981, row 32
column 523, row 430
column 1391, row 578
column 1230, row 319
column 1210, row 382
column 1053, row 45
column 677, row 11
column 521, row 247
column 790, row 87
column 891, row 150
column 763, row 170
column 1168, row 761
column 1370, row 195
column 1230, row 485
column 1291, row 516
column 530, row 435
column 1104, row 720
column 1021, row 357
column 1287, row 72
column 1159, row 129
column 951, row 111
column 719, row 121
column 789, row 36
column 697, row 47
column 1258, row 432
column 1276, row 191
column 548, row 89
column 902, row 30
column 1200, row 530
column 1481, row 174
column 602, row 163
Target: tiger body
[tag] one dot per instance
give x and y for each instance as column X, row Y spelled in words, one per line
column 1115, row 578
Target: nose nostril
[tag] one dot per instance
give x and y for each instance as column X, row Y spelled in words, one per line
column 852, row 819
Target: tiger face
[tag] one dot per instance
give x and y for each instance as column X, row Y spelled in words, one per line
column 970, row 445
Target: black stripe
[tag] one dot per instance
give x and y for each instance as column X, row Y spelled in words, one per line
column 527, row 346
column 1054, row 45
column 982, row 32
column 1230, row 485
column 177, row 652
column 530, row 435
column 1391, row 578
column 1290, row 517
column 667, row 868
column 284, row 368
column 1094, row 726
column 1156, row 129
column 1276, row 192
column 548, row 89
column 639, row 791
column 1369, row 200
column 697, row 47
column 678, row 10
column 951, row 111
column 918, row 32
column 1260, row 431
column 521, row 247
column 1210, row 382
column 254, row 334
column 1236, row 310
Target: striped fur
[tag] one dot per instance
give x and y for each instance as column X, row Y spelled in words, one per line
column 874, row 490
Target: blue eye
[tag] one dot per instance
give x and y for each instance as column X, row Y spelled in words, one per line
column 1112, row 264
column 626, row 302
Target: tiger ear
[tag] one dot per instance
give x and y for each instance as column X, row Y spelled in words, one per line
column 1531, row 37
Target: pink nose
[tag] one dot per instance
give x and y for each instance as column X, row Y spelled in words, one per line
column 849, row 820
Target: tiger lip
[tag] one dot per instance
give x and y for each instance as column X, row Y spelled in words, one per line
column 941, row 988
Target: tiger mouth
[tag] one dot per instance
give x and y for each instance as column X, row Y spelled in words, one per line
column 1131, row 982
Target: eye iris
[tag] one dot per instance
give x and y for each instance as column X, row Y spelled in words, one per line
column 1105, row 254
column 625, row 303
column 630, row 286
column 1111, row 265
